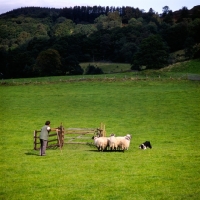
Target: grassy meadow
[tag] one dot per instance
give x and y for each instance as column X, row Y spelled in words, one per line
column 165, row 112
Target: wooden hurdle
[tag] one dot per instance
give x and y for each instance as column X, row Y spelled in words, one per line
column 73, row 134
column 56, row 139
column 102, row 130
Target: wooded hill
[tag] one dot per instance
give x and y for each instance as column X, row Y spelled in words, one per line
column 38, row 41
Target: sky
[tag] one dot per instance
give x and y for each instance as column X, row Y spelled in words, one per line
column 156, row 5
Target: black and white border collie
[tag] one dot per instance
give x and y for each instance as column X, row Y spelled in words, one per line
column 145, row 145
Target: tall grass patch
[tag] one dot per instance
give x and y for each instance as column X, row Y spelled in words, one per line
column 164, row 112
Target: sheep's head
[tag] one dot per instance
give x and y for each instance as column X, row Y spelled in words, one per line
column 94, row 137
column 128, row 137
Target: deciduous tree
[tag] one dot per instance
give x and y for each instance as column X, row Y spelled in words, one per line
column 48, row 63
column 152, row 54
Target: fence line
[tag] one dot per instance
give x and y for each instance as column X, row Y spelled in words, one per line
column 82, row 132
column 106, row 78
column 58, row 139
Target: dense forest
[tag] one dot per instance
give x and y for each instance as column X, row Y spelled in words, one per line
column 38, row 41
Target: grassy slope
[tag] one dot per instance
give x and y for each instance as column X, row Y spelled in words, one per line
column 191, row 66
column 164, row 112
column 177, row 70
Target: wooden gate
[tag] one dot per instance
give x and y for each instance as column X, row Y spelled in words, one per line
column 77, row 135
column 63, row 136
column 55, row 139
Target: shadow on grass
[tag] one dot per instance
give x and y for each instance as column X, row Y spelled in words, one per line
column 37, row 152
column 105, row 151
column 32, row 153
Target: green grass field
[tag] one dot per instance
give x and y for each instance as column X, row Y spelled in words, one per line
column 166, row 112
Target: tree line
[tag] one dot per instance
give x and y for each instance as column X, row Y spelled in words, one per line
column 46, row 41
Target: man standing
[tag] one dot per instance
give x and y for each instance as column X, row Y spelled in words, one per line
column 44, row 137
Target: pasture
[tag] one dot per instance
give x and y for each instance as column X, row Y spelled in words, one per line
column 166, row 112
column 108, row 67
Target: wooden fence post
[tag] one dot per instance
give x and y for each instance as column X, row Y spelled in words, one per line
column 104, row 131
column 35, row 139
column 61, row 135
column 59, row 142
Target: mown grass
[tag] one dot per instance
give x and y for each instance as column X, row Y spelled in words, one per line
column 165, row 112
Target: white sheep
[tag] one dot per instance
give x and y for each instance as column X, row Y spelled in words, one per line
column 123, row 143
column 101, row 142
column 113, row 142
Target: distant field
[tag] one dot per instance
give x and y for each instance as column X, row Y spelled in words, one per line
column 164, row 111
column 177, row 71
column 108, row 67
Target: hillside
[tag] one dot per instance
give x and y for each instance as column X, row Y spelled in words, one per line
column 46, row 41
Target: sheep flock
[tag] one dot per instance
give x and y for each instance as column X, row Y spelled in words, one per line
column 112, row 143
